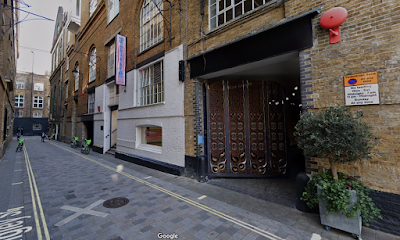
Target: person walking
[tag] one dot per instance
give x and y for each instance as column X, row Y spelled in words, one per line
column 18, row 135
column 43, row 136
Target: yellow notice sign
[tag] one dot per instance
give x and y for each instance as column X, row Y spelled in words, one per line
column 360, row 79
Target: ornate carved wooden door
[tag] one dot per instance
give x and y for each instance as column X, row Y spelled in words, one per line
column 246, row 129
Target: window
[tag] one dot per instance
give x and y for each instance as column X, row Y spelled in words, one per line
column 92, row 65
column 37, row 127
column 37, row 102
column 151, row 135
column 37, row 114
column 113, row 9
column 19, row 101
column 92, row 6
column 68, row 37
column 66, row 89
column 20, row 85
column 66, row 63
column 78, row 8
column 151, row 84
column 226, row 10
column 77, row 78
column 18, row 114
column 151, row 24
column 111, row 61
column 38, row 86
column 91, row 103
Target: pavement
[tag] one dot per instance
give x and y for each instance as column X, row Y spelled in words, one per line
column 53, row 191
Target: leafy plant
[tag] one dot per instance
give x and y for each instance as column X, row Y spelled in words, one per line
column 336, row 134
column 336, row 196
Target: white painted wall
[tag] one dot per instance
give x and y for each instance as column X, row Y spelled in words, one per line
column 169, row 115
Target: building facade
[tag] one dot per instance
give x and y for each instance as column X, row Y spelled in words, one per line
column 214, row 88
column 8, row 56
column 31, row 102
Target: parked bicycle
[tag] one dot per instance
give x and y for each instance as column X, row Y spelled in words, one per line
column 20, row 144
column 53, row 136
column 74, row 142
column 85, row 147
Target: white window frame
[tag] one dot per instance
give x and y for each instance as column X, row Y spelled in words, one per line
column 91, row 100
column 78, row 8
column 77, row 79
column 37, row 126
column 20, row 85
column 66, row 89
column 113, row 9
column 149, row 91
column 92, row 65
column 111, row 61
column 37, row 115
column 232, row 11
column 141, row 142
column 20, row 114
column 19, row 101
column 66, row 63
column 37, row 102
column 151, row 24
column 92, row 7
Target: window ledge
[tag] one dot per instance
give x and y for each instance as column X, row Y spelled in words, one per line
column 150, row 148
column 149, row 105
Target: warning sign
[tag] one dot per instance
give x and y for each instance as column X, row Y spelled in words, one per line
column 361, row 89
column 360, row 79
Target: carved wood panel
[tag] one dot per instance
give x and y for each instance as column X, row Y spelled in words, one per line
column 237, row 131
column 217, row 128
column 257, row 131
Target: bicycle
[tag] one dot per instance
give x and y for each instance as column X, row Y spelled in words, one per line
column 20, row 144
column 52, row 136
column 85, row 147
column 74, row 142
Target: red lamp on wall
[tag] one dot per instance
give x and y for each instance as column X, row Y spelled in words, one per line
column 331, row 20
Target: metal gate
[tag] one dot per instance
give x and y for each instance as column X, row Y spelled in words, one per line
column 246, row 128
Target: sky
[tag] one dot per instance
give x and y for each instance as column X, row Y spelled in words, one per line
column 36, row 34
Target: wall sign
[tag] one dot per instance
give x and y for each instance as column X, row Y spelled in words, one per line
column 120, row 64
column 361, row 89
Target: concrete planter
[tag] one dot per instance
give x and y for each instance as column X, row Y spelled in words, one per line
column 339, row 220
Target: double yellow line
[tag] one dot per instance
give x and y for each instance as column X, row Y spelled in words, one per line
column 236, row 221
column 35, row 192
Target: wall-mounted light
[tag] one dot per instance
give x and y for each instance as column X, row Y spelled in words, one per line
column 75, row 73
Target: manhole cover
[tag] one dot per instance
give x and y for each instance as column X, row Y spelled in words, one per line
column 115, row 202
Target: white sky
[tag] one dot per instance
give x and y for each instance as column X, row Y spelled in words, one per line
column 37, row 35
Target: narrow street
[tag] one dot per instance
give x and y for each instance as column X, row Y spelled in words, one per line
column 52, row 191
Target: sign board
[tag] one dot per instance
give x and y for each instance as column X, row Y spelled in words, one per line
column 120, row 63
column 360, row 79
column 361, row 89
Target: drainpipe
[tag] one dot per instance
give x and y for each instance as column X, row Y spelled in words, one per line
column 59, row 113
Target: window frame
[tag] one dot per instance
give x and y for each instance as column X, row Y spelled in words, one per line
column 149, row 92
column 111, row 60
column 36, row 101
column 18, row 102
column 141, row 136
column 215, row 12
column 91, row 102
column 150, row 16
column 76, row 87
column 19, row 84
column 114, row 11
column 92, row 7
column 92, row 64
column 38, row 115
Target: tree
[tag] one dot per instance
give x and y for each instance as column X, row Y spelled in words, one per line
column 335, row 133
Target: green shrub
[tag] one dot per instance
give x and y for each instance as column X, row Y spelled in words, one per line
column 336, row 196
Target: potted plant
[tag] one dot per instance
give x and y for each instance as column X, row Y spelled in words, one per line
column 337, row 134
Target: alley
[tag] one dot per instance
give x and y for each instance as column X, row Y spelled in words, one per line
column 59, row 194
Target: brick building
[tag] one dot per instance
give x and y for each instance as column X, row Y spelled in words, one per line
column 251, row 68
column 31, row 102
column 8, row 56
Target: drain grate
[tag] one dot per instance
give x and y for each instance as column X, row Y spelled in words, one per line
column 115, row 202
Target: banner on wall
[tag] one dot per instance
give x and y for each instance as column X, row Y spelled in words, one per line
column 120, row 62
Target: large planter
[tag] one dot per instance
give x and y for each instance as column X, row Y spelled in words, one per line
column 339, row 220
